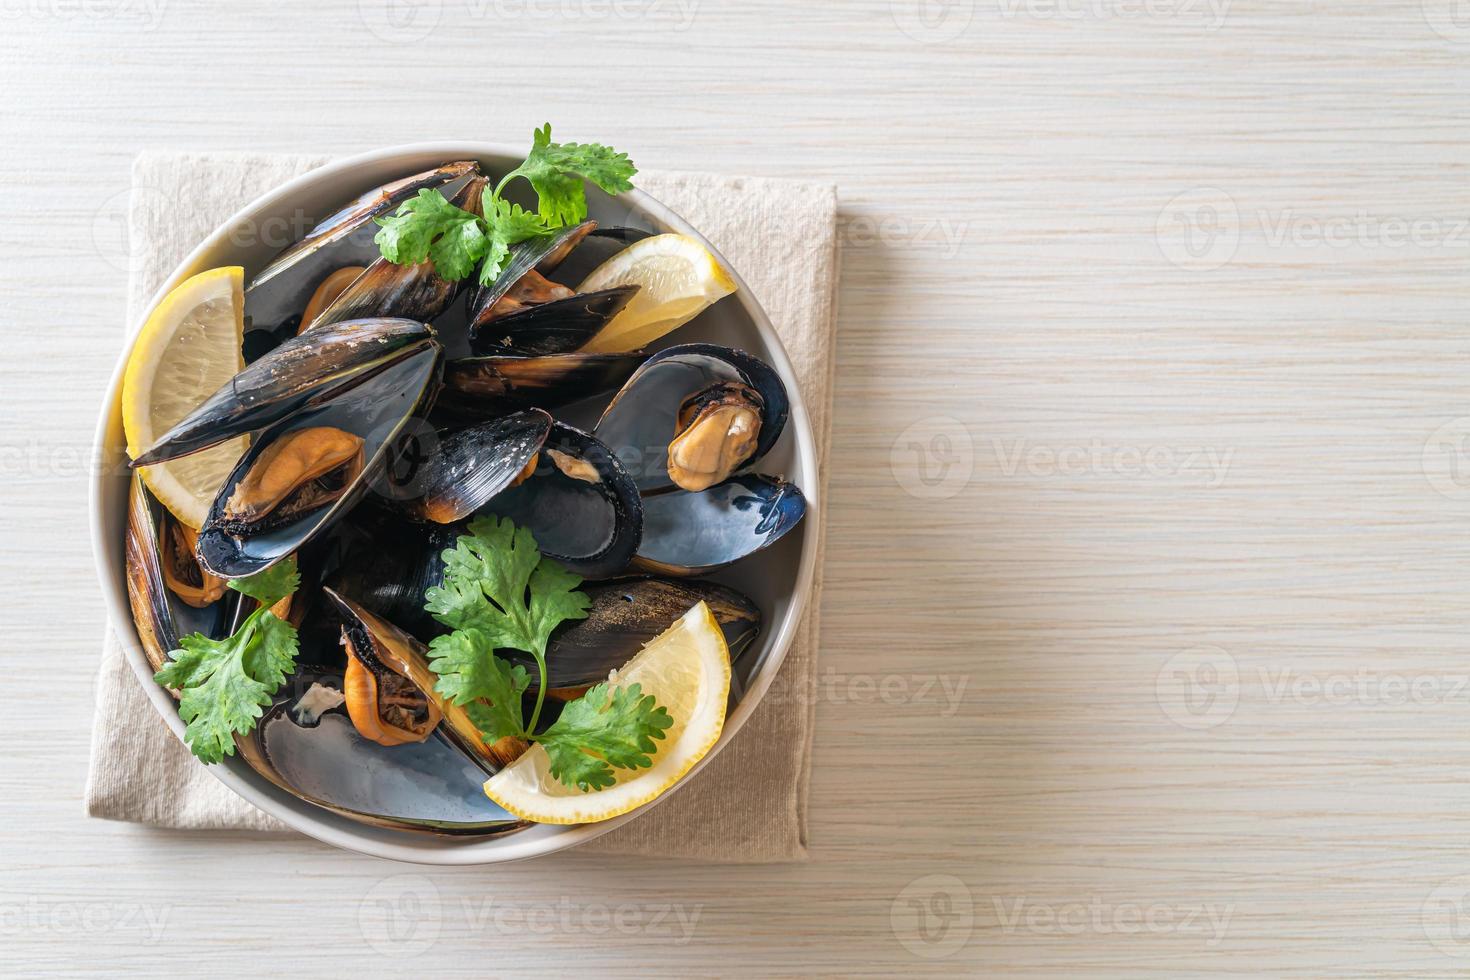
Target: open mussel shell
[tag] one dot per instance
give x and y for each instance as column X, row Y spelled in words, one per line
column 306, row 745
column 557, row 327
column 479, row 386
column 643, row 418
column 384, row 649
column 523, row 312
column 626, row 615
column 301, row 372
column 280, row 292
column 159, row 614
column 580, row 504
column 541, row 254
column 374, row 412
column 687, row 533
column 386, row 289
column 446, row 477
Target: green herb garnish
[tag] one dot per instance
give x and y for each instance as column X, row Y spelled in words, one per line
column 500, row 593
column 225, row 684
column 430, row 227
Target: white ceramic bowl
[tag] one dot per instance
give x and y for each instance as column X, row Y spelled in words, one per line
column 778, row 579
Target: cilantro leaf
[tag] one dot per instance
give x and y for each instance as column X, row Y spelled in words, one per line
column 455, row 252
column 225, row 684
column 556, row 171
column 272, row 585
column 509, row 224
column 429, row 226
column 487, row 576
column 488, row 687
column 605, row 728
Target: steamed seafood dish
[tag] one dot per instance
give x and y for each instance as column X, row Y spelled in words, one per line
column 436, row 521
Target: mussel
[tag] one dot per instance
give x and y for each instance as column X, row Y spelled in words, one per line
column 524, row 312
column 692, row 415
column 525, row 333
column 627, row 614
column 325, row 425
column 182, row 573
column 387, row 564
column 161, row 613
column 688, row 533
column 383, row 289
column 445, row 477
column 302, row 372
column 496, row 383
column 580, row 504
column 390, row 693
column 687, row 420
column 300, row 471
column 307, row 744
column 280, row 293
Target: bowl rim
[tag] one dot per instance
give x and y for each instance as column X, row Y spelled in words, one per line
column 298, row 814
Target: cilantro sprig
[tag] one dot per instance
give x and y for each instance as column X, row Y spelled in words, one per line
column 429, row 227
column 224, row 685
column 500, row 593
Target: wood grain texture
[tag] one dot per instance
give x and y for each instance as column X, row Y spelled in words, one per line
column 1202, row 720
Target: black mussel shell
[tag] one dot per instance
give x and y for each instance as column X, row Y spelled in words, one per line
column 543, row 253
column 377, row 410
column 387, row 565
column 317, row 755
column 480, row 386
column 445, row 477
column 160, row 616
column 558, row 327
column 642, row 418
column 303, row 372
column 580, row 504
column 627, row 614
column 386, row 289
column 688, row 533
column 384, row 643
column 282, row 289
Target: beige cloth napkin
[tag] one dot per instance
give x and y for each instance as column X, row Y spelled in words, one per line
column 749, row 804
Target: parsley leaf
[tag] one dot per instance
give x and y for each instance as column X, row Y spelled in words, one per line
column 487, row 576
column 605, row 728
column 556, row 171
column 429, row 226
column 488, row 687
column 225, row 684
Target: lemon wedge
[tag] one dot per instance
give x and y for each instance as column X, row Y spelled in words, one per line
column 687, row 669
column 678, row 280
column 188, row 349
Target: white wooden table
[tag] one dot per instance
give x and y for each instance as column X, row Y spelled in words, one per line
column 1146, row 627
